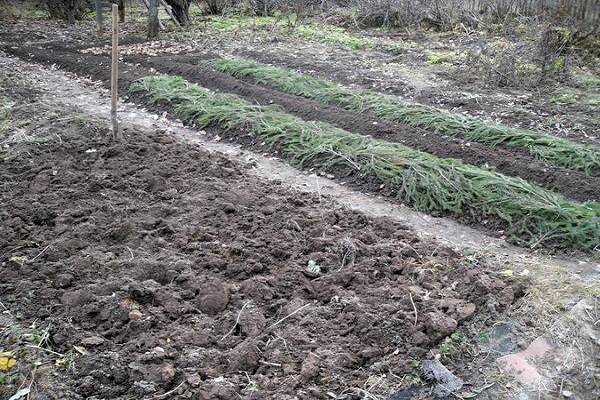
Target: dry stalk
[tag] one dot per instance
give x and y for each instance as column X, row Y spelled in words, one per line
column 414, row 308
column 288, row 316
column 237, row 320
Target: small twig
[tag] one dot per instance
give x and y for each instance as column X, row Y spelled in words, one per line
column 295, row 223
column 31, row 383
column 365, row 394
column 46, row 350
column 269, row 363
column 284, row 344
column 415, row 251
column 41, row 252
column 165, row 395
column 288, row 316
column 414, row 308
column 354, row 164
column 237, row 320
column 130, row 252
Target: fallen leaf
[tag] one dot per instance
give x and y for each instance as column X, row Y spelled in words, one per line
column 7, row 363
column 20, row 394
column 81, row 350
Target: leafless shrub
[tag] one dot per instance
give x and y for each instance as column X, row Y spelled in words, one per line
column 450, row 14
column 553, row 51
column 295, row 12
column 7, row 10
column 69, row 10
column 262, row 8
column 388, row 13
column 216, row 7
column 506, row 64
column 435, row 14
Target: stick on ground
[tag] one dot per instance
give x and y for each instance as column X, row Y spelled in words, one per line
column 237, row 320
column 116, row 135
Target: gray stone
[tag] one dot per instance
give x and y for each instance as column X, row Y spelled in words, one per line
column 445, row 382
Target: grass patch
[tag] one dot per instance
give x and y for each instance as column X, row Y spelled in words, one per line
column 235, row 23
column 574, row 96
column 332, row 34
column 533, row 215
column 553, row 150
column 446, row 58
column 588, row 80
column 308, row 30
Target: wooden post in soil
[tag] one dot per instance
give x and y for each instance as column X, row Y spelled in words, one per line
column 114, row 81
column 99, row 26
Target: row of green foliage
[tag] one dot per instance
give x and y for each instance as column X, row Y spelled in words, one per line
column 534, row 215
column 553, row 150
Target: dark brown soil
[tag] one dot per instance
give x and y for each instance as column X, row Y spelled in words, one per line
column 510, row 161
column 174, row 271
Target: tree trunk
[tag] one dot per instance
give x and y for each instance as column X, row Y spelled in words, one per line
column 121, row 4
column 99, row 26
column 71, row 11
column 153, row 19
column 68, row 10
column 181, row 10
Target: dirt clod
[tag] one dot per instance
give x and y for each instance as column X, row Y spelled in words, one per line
column 213, row 297
column 92, row 341
column 244, row 357
column 310, row 367
column 441, row 323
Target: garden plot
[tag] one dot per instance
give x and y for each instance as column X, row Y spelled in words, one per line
column 156, row 268
column 550, row 149
column 510, row 161
column 532, row 215
column 472, row 194
column 186, row 275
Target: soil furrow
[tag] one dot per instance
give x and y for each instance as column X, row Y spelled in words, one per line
column 509, row 161
column 513, row 162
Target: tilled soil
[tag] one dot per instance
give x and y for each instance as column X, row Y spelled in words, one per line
column 171, row 271
column 510, row 161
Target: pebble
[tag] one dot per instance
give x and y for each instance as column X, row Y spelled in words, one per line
column 92, row 341
column 135, row 315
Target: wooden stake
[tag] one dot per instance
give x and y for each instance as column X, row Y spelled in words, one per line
column 114, row 81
